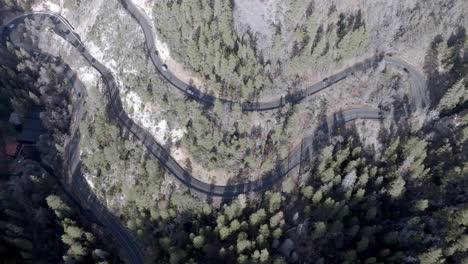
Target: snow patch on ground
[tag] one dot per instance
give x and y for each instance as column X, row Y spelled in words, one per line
column 89, row 179
column 84, row 23
column 368, row 131
column 95, row 51
column 88, row 76
column 177, row 134
column 163, row 49
column 144, row 115
column 47, row 6
column 160, row 130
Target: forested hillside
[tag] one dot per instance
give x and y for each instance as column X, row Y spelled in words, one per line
column 406, row 203
column 403, row 203
column 39, row 224
column 393, row 190
column 39, row 221
column 203, row 36
column 408, row 206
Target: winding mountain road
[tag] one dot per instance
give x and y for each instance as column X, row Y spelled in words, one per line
column 296, row 157
column 295, row 97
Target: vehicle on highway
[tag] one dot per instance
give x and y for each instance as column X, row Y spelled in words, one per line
column 325, row 80
column 190, row 91
column 406, row 70
column 12, row 25
column 93, row 60
column 164, row 67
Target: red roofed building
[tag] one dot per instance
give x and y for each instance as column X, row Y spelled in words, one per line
column 12, row 149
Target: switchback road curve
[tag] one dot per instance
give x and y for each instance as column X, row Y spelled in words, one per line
column 63, row 28
column 295, row 97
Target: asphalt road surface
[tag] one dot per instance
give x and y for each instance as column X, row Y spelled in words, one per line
column 296, row 157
